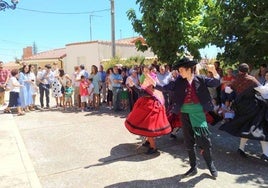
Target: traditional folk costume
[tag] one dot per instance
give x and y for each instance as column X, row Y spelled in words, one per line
column 251, row 115
column 249, row 110
column 175, row 119
column 148, row 116
column 192, row 99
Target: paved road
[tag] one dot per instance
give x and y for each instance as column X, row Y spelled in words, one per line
column 57, row 149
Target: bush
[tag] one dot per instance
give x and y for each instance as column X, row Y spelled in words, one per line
column 130, row 62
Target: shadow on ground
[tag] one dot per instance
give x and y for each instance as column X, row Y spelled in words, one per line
column 226, row 159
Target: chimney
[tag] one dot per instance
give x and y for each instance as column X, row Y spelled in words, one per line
column 27, row 52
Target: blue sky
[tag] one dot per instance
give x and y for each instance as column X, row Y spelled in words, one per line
column 20, row 27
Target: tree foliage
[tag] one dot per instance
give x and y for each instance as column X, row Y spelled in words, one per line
column 241, row 28
column 169, row 27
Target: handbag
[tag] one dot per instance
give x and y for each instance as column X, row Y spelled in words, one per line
column 2, row 89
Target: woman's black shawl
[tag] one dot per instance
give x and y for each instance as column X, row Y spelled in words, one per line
column 250, row 119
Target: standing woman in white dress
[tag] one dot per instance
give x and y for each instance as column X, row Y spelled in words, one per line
column 56, row 85
column 33, row 86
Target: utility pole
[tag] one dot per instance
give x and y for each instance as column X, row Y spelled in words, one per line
column 113, row 28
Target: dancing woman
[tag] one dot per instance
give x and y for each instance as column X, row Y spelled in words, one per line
column 148, row 116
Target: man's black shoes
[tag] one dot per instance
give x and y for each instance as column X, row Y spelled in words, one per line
column 213, row 170
column 191, row 172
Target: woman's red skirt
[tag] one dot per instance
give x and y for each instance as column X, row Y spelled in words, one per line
column 148, row 118
column 174, row 119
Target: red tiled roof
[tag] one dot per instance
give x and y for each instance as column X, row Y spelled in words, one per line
column 130, row 40
column 78, row 43
column 127, row 41
column 51, row 54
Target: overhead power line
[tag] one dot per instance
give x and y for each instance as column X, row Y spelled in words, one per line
column 24, row 44
column 6, row 49
column 52, row 12
column 7, row 55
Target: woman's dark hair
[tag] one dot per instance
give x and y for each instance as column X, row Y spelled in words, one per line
column 61, row 72
column 95, row 68
column 48, row 66
column 108, row 70
column 168, row 67
column 264, row 66
column 23, row 69
column 150, row 67
column 30, row 67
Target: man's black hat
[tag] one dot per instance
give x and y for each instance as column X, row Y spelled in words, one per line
column 184, row 62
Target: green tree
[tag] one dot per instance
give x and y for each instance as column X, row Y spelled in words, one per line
column 241, row 28
column 170, row 27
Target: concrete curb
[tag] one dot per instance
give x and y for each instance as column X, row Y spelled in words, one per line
column 25, row 160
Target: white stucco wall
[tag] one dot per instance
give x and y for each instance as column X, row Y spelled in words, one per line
column 121, row 50
column 83, row 53
column 92, row 53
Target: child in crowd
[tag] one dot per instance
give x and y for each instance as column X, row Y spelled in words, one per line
column 14, row 98
column 69, row 90
column 226, row 112
column 90, row 93
column 215, row 105
column 83, row 92
column 215, row 113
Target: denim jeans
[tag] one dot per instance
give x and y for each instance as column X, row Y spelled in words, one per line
column 117, row 98
column 44, row 89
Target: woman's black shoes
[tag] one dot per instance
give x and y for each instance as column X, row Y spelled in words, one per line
column 151, row 151
column 264, row 157
column 146, row 144
column 242, row 153
column 172, row 136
